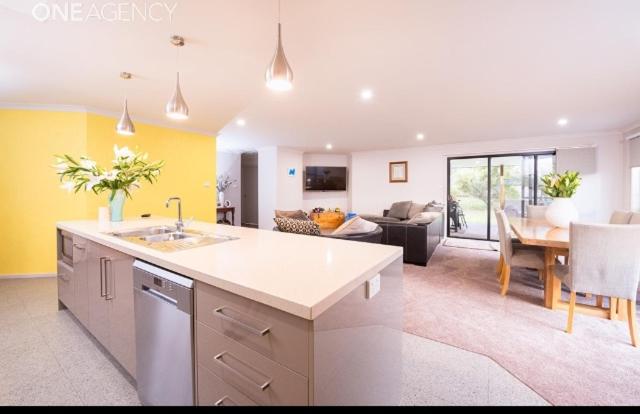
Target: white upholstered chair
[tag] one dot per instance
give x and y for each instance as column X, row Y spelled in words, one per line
column 537, row 212
column 605, row 261
column 514, row 257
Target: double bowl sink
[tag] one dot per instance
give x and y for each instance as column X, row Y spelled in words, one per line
column 169, row 239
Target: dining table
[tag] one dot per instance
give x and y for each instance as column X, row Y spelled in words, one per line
column 556, row 243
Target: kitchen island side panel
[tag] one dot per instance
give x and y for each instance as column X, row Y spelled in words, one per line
column 357, row 346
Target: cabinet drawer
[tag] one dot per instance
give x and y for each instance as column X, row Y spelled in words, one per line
column 259, row 378
column 65, row 285
column 212, row 391
column 277, row 335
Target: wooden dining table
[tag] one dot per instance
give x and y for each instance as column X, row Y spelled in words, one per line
column 556, row 243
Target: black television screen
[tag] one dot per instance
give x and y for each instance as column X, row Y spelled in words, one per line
column 325, row 179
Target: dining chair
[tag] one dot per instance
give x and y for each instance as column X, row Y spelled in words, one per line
column 605, row 261
column 512, row 256
column 620, row 217
column 537, row 212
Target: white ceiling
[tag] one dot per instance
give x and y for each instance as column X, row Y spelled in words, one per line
column 455, row 70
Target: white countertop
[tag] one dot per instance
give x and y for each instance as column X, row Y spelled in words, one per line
column 301, row 275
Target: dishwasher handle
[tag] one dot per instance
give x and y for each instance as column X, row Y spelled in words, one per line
column 152, row 292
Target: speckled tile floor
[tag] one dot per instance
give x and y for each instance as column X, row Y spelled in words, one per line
column 47, row 358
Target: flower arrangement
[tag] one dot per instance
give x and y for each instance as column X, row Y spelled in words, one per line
column 561, row 185
column 224, row 182
column 129, row 169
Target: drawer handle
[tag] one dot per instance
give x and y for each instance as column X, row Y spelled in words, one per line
column 220, row 313
column 262, row 387
column 79, row 246
column 221, row 401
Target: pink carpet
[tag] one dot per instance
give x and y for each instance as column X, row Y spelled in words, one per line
column 456, row 301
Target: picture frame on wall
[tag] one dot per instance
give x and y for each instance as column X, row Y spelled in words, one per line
column 399, row 172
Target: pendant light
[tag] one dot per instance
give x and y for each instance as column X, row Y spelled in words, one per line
column 177, row 107
column 125, row 126
column 279, row 74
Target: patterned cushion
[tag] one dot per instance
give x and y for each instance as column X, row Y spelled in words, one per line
column 400, row 210
column 288, row 225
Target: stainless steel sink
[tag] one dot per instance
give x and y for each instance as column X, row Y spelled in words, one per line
column 168, row 239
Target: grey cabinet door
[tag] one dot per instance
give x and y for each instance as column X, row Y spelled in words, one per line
column 98, row 307
column 119, row 284
column 80, row 262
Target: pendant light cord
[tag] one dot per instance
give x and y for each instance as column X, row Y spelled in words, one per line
column 279, row 11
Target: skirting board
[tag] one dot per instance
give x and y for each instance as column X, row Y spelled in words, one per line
column 41, row 276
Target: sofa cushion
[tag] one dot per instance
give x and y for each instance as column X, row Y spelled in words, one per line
column 434, row 207
column 400, row 210
column 635, row 218
column 416, row 208
column 356, row 225
column 620, row 217
column 288, row 225
column 425, row 218
column 297, row 215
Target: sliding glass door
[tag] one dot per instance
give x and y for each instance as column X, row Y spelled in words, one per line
column 475, row 185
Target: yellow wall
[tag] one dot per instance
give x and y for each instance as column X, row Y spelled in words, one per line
column 32, row 201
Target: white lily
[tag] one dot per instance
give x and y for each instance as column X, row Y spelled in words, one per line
column 93, row 181
column 110, row 175
column 62, row 166
column 87, row 164
column 123, row 153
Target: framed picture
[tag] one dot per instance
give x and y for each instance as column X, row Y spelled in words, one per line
column 399, row 172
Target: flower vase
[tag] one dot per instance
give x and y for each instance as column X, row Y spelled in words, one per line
column 221, row 199
column 116, row 205
column 562, row 212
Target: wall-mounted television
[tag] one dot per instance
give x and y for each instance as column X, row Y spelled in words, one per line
column 325, row 179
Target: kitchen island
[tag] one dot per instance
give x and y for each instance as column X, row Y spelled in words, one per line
column 303, row 314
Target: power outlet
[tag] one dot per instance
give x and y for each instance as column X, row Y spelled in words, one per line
column 373, row 286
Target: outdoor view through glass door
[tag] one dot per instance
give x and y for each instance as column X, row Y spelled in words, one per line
column 474, row 190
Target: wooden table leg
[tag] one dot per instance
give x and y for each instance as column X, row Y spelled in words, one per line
column 552, row 285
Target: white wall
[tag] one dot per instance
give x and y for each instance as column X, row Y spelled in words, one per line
column 231, row 164
column 276, row 189
column 267, row 185
column 329, row 199
column 599, row 195
column 289, row 187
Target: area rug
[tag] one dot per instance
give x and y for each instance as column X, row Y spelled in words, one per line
column 469, row 244
column 455, row 300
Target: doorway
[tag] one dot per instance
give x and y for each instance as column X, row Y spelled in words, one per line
column 473, row 190
column 249, row 178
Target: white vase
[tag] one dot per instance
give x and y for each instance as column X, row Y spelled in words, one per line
column 562, row 212
column 221, row 199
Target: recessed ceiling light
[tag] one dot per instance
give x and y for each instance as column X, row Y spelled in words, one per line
column 420, row 137
column 329, row 147
column 241, row 122
column 366, row 94
column 563, row 122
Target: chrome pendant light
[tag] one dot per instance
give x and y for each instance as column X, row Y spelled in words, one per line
column 279, row 74
column 125, row 125
column 177, row 107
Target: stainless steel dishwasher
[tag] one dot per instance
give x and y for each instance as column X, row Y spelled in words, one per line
column 163, row 303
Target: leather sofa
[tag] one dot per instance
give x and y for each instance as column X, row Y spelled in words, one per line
column 418, row 240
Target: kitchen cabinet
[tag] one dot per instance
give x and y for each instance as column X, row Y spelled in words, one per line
column 81, row 291
column 103, row 303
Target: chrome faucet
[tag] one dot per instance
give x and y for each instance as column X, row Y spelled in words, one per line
column 179, row 223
